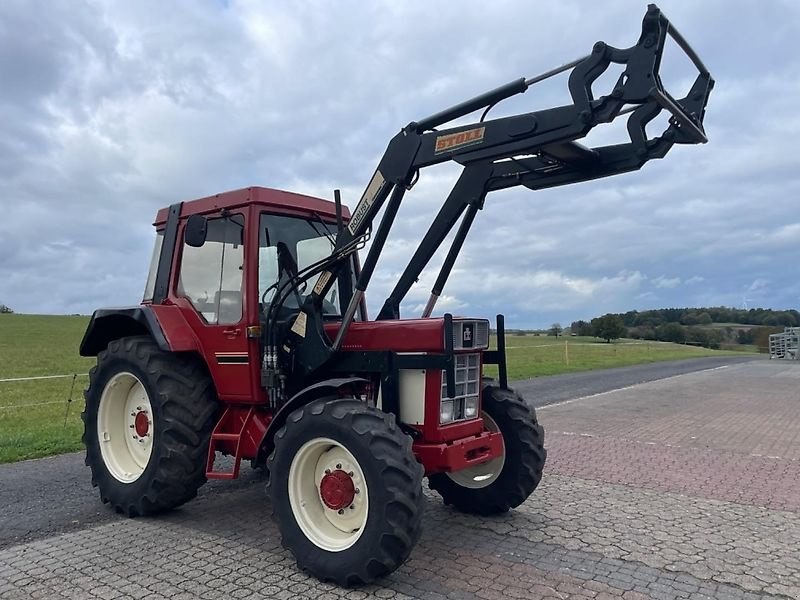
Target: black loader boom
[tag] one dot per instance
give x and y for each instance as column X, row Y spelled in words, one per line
column 537, row 150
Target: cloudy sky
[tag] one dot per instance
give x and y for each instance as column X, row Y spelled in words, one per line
column 109, row 111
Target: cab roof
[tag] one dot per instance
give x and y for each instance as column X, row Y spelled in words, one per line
column 278, row 201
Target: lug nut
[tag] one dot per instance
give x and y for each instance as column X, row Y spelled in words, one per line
column 358, row 491
column 133, row 414
column 338, row 465
column 131, row 426
column 352, row 506
column 341, row 511
column 350, row 473
column 327, row 471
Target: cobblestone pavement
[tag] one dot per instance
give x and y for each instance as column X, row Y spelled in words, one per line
column 680, row 488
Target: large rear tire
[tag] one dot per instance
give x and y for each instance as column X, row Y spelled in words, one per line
column 507, row 481
column 147, row 423
column 346, row 491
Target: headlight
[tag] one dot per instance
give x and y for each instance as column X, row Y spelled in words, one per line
column 446, row 411
column 470, row 408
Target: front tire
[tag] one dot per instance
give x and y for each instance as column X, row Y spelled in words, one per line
column 346, row 491
column 147, row 423
column 507, row 481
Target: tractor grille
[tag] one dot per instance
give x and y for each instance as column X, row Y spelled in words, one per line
column 470, row 334
column 466, row 401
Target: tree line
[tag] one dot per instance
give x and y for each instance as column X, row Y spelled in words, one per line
column 706, row 316
column 691, row 325
column 608, row 327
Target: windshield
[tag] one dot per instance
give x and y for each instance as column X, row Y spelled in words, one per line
column 296, row 241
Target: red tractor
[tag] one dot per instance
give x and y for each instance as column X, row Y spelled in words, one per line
column 253, row 339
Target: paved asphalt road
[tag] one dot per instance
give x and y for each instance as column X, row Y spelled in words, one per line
column 40, row 498
column 557, row 388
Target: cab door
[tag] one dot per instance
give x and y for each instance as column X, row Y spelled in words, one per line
column 210, row 288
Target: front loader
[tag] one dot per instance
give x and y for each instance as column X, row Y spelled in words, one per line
column 253, row 339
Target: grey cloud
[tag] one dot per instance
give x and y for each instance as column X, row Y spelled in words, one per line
column 111, row 110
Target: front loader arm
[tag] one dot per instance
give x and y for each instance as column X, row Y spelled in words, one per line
column 536, row 150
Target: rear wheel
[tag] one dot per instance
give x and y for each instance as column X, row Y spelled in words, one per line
column 506, row 481
column 148, row 419
column 346, row 491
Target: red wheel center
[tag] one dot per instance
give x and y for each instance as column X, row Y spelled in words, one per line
column 141, row 423
column 337, row 490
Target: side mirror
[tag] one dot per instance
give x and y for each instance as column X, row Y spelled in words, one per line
column 196, row 229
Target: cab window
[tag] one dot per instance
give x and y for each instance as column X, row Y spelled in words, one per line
column 211, row 276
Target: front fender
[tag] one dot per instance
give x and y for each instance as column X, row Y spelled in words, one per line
column 301, row 398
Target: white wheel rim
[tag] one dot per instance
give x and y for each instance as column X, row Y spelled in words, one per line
column 332, row 529
column 125, row 427
column 483, row 475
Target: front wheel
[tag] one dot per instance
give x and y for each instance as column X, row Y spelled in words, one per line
column 346, row 491
column 506, row 481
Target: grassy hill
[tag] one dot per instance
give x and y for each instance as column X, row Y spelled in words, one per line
column 36, row 419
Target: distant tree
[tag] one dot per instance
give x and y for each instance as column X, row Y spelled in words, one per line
column 771, row 320
column 648, row 333
column 581, row 328
column 704, row 319
column 690, row 319
column 5, row 310
column 697, row 335
column 714, row 339
column 608, row 327
column 671, row 332
column 761, row 337
column 556, row 329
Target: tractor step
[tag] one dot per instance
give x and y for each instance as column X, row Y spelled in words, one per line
column 228, row 429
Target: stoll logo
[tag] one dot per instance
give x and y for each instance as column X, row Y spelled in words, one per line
column 453, row 141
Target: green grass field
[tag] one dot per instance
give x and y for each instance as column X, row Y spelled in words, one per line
column 535, row 356
column 32, row 413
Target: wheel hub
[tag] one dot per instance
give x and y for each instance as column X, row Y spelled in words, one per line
column 141, row 423
column 337, row 490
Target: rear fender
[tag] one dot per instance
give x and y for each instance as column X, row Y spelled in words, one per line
column 313, row 392
column 108, row 324
column 166, row 326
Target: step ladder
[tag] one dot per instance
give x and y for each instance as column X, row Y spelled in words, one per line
column 227, row 430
